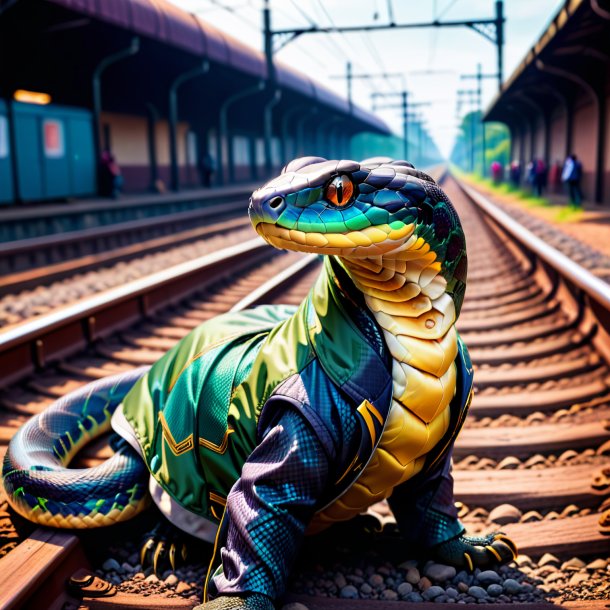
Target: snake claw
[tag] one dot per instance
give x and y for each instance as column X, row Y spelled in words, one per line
column 504, row 539
column 165, row 547
column 471, row 552
column 158, row 556
column 146, row 551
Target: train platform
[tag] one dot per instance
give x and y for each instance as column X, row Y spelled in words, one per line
column 87, row 204
column 40, row 219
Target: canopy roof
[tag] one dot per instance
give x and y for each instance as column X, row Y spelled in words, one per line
column 162, row 21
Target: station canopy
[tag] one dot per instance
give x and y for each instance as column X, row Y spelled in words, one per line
column 56, row 45
column 572, row 53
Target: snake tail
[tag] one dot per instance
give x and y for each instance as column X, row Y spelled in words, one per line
column 35, row 474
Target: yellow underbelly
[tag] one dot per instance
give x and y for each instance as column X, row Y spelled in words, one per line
column 400, row 455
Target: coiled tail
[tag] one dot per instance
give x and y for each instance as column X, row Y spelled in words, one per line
column 41, row 488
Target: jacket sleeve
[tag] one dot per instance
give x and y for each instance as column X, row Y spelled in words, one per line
column 270, row 506
column 426, row 513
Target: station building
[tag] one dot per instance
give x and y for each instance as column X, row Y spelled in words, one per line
column 557, row 102
column 162, row 90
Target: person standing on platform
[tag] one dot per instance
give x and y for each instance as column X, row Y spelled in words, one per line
column 555, row 177
column 496, row 172
column 208, row 167
column 539, row 176
column 571, row 175
column 111, row 177
column 515, row 173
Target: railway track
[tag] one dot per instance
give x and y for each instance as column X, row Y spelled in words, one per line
column 29, row 263
column 533, row 458
column 27, row 222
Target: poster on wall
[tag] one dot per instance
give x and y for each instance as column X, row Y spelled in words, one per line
column 53, row 138
column 3, row 137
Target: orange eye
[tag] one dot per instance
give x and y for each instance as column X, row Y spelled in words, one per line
column 340, row 190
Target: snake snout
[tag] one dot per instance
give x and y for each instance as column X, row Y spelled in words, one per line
column 267, row 210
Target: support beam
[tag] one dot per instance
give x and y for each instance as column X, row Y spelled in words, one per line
column 598, row 95
column 301, row 144
column 268, row 129
column 223, row 130
column 200, row 70
column 152, row 117
column 96, row 83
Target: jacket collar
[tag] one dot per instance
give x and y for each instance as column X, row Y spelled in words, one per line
column 346, row 339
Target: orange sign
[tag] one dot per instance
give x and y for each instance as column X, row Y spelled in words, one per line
column 53, row 133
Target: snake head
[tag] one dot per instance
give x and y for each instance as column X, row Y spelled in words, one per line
column 352, row 209
column 361, row 209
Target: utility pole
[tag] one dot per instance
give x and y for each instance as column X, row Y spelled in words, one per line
column 491, row 29
column 479, row 76
column 268, row 41
column 350, row 76
column 499, row 25
column 415, row 119
column 405, row 106
column 405, row 121
column 470, row 93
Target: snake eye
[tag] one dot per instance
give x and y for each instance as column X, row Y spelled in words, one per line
column 340, row 190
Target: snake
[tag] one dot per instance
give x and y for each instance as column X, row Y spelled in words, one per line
column 394, row 233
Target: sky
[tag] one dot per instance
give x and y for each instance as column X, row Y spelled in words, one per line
column 429, row 62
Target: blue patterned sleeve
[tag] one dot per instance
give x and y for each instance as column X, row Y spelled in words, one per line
column 426, row 514
column 270, row 506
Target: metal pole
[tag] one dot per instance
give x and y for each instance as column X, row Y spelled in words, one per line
column 153, row 117
column 500, row 40
column 480, row 105
column 323, row 129
column 599, row 99
column 300, row 131
column 173, row 119
column 285, row 121
column 349, row 85
column 132, row 49
column 268, row 128
column 472, row 142
column 405, row 116
column 223, row 135
column 268, row 43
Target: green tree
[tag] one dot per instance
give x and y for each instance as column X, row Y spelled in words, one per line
column 467, row 151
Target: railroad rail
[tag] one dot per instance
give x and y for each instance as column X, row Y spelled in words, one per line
column 536, row 439
column 24, row 222
column 29, row 263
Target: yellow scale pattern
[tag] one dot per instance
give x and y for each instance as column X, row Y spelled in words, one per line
column 82, row 521
column 93, row 519
column 406, row 294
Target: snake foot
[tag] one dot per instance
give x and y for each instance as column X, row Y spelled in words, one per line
column 164, row 547
column 254, row 601
column 472, row 552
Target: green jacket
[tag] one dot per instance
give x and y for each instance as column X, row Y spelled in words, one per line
column 199, row 411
